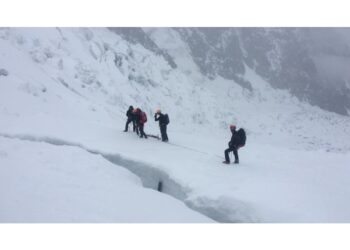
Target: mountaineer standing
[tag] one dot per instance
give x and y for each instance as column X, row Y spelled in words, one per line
column 141, row 119
column 131, row 118
column 163, row 120
column 237, row 141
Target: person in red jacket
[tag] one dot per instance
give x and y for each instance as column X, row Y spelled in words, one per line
column 141, row 119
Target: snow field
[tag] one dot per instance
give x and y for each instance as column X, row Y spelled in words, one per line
column 67, row 184
column 72, row 87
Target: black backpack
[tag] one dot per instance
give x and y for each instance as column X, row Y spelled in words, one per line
column 242, row 137
column 166, row 119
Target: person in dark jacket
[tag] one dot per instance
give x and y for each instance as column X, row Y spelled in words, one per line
column 140, row 119
column 234, row 144
column 131, row 118
column 163, row 122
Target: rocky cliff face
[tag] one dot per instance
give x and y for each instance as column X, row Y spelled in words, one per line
column 310, row 62
column 288, row 58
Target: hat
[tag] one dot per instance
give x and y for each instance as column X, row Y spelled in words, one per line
column 232, row 126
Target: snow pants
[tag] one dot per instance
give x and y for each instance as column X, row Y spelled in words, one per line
column 235, row 152
column 163, row 132
column 133, row 124
column 142, row 133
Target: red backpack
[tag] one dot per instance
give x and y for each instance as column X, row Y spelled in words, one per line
column 143, row 117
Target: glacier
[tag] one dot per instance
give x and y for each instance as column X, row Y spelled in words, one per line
column 64, row 158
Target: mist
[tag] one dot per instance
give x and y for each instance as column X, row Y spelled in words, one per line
column 330, row 50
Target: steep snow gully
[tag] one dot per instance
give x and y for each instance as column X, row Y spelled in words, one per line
column 152, row 178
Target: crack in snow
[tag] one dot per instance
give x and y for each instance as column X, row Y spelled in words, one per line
column 160, row 181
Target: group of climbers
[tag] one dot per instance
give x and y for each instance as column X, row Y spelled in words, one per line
column 139, row 118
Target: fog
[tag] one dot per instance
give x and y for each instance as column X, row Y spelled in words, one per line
column 330, row 50
column 312, row 63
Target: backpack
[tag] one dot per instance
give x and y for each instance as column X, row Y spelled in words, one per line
column 166, row 119
column 242, row 137
column 143, row 117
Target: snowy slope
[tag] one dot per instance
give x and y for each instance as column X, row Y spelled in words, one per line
column 71, row 88
column 66, row 184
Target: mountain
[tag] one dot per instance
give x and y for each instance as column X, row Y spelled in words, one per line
column 309, row 62
column 64, row 156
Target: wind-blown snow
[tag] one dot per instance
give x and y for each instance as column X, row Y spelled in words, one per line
column 75, row 85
